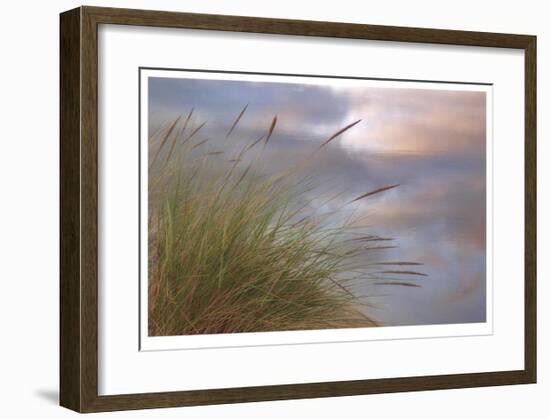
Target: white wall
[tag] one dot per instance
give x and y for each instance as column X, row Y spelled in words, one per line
column 29, row 206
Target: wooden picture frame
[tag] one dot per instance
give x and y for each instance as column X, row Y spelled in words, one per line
column 79, row 208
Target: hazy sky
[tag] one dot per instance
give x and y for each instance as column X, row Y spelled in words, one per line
column 431, row 142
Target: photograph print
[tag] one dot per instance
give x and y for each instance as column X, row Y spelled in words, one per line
column 289, row 202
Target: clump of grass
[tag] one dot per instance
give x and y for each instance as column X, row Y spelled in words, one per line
column 234, row 251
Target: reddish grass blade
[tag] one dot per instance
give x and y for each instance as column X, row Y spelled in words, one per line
column 178, row 135
column 271, row 128
column 199, row 144
column 372, row 239
column 236, row 121
column 165, row 139
column 402, row 284
column 397, row 263
column 254, row 143
column 376, row 191
column 404, row 273
column 195, row 131
column 337, row 134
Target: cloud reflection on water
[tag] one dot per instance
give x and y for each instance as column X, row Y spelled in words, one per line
column 431, row 142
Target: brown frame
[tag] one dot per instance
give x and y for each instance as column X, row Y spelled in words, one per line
column 78, row 203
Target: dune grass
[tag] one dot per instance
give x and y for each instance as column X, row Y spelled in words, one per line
column 231, row 250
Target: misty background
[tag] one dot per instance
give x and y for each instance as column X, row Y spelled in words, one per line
column 431, row 142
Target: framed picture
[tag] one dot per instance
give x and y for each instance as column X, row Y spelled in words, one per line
column 262, row 209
